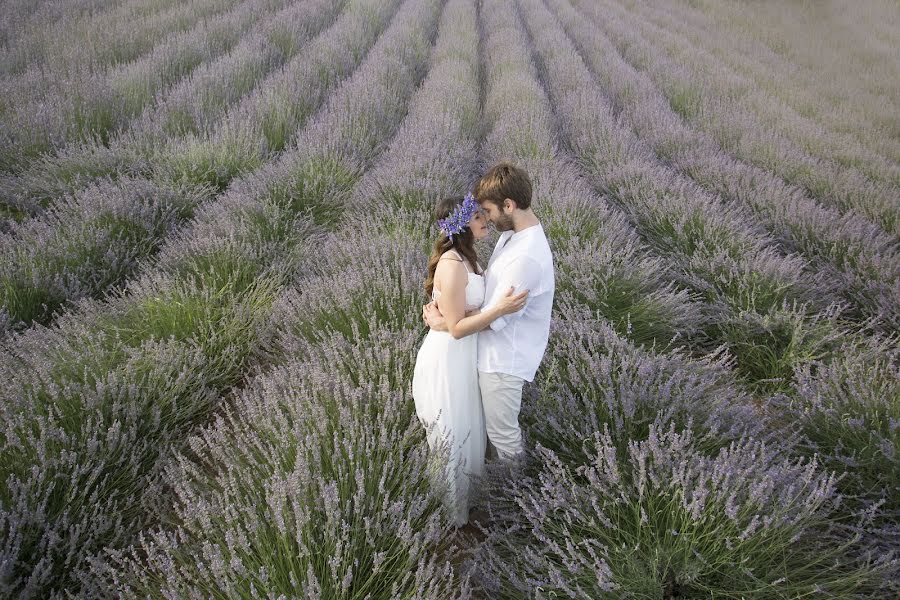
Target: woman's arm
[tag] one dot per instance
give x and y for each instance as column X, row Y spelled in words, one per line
column 477, row 320
column 475, row 323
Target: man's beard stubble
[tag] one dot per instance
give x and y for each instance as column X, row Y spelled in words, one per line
column 504, row 223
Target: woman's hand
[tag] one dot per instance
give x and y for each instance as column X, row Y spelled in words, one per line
column 433, row 317
column 511, row 303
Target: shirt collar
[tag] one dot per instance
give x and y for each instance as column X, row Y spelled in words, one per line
column 523, row 233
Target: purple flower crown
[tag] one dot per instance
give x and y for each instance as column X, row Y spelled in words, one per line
column 460, row 217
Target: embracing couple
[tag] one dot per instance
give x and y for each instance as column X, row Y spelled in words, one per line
column 489, row 329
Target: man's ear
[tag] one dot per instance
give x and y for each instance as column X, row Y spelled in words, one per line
column 512, row 203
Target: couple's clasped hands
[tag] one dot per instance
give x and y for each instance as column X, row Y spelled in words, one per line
column 508, row 304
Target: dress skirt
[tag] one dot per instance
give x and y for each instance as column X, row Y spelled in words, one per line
column 448, row 404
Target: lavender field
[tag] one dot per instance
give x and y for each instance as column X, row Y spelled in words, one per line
column 215, row 218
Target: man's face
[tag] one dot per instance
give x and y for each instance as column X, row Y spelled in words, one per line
column 502, row 219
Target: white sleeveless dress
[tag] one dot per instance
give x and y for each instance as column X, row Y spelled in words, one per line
column 448, row 404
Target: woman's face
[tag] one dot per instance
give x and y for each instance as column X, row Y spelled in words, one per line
column 478, row 224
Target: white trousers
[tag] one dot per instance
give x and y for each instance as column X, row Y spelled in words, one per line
column 501, row 395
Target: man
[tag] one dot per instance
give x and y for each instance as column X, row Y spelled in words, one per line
column 511, row 347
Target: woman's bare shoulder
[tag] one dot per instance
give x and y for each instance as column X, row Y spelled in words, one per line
column 449, row 270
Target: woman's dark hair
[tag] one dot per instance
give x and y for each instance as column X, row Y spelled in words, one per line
column 463, row 242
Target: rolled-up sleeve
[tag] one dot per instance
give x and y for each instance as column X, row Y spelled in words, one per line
column 523, row 273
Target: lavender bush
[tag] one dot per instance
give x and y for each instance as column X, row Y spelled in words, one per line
column 355, row 304
column 847, row 414
column 115, row 385
column 592, row 378
column 664, row 519
column 311, row 486
column 84, row 246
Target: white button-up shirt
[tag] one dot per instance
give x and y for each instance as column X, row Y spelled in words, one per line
column 515, row 343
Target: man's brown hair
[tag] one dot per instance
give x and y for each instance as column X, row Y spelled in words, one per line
column 505, row 180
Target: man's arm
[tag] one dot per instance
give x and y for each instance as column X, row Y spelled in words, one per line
column 523, row 273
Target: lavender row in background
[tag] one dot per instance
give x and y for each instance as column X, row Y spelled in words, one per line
column 86, row 250
column 95, row 106
column 86, row 245
column 243, row 138
column 841, row 106
column 21, row 17
column 800, row 126
column 859, row 261
column 756, row 300
column 712, row 103
column 69, row 47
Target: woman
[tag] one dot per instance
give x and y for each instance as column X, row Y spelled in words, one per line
column 445, row 379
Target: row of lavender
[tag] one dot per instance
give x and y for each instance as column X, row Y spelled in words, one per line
column 192, row 106
column 767, row 309
column 232, row 101
column 58, row 36
column 44, row 110
column 849, row 253
column 96, row 403
column 321, row 465
column 23, row 18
